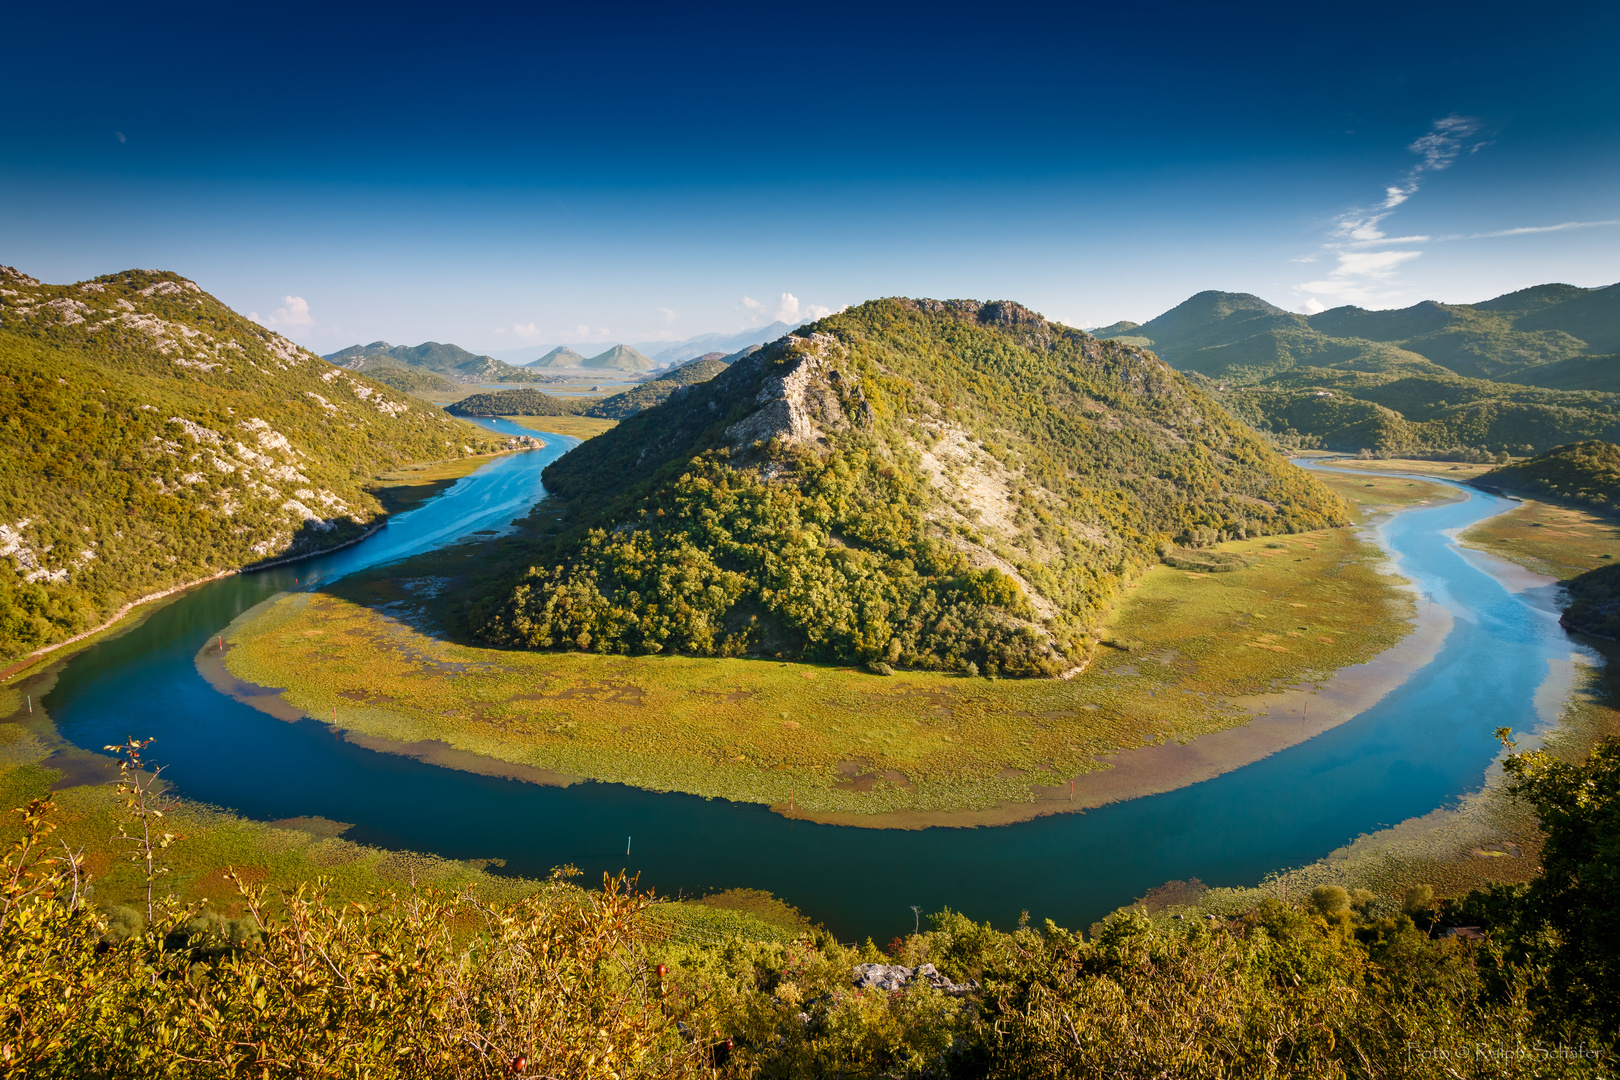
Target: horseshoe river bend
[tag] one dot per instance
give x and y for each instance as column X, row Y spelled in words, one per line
column 1423, row 745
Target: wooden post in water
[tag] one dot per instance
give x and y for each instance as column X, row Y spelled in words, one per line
column 627, row 846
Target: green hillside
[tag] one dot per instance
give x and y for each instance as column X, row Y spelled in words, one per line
column 922, row 483
column 1517, row 374
column 513, row 403
column 560, row 357
column 410, row 380
column 154, row 436
column 620, row 358
column 657, row 391
column 450, row 361
column 1585, row 473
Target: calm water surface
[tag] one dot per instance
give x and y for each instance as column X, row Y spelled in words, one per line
column 1422, row 746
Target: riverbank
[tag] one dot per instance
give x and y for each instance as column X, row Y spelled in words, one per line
column 1191, row 655
column 1486, row 837
column 398, row 491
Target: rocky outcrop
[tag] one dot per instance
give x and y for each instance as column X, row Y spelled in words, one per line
column 896, row 977
column 815, row 397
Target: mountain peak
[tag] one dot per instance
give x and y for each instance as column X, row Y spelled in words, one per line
column 620, row 358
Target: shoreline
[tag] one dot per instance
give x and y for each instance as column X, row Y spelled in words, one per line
column 23, row 664
column 1278, row 720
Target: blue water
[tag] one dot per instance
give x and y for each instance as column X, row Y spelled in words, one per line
column 1426, row 743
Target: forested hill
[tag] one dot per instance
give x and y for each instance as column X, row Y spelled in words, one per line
column 153, row 436
column 1518, row 374
column 912, row 482
column 1585, row 473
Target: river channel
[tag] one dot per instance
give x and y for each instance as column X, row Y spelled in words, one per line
column 1426, row 743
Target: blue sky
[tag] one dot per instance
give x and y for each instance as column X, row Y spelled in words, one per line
column 503, row 176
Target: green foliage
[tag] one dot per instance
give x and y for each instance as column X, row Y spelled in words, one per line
column 410, row 380
column 1585, row 473
column 657, row 391
column 513, row 403
column 711, row 525
column 1594, row 603
column 426, row 985
column 155, row 437
column 449, row 361
column 1520, row 373
column 1564, row 923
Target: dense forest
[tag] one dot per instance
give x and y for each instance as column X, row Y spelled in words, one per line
column 154, row 437
column 1514, row 375
column 944, row 486
column 586, row 985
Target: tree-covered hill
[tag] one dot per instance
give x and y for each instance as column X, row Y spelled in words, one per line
column 410, row 380
column 450, row 361
column 153, row 436
column 620, row 358
column 656, row 391
column 560, row 357
column 914, row 482
column 1586, row 473
column 513, row 403
column 1517, row 374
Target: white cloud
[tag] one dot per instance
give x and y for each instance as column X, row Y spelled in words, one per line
column 1369, row 277
column 583, row 331
column 526, row 332
column 1528, row 229
column 787, row 308
column 294, row 315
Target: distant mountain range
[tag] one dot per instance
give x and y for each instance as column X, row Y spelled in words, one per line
column 1521, row 373
column 665, row 353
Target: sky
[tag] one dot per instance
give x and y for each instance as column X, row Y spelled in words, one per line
column 510, row 176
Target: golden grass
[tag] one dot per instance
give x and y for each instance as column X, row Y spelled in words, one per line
column 578, row 427
column 1559, row 541
column 1451, row 470
column 1378, row 494
column 835, row 739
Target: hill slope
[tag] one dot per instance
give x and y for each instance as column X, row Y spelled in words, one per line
column 1514, row 374
column 1586, row 473
column 154, row 436
column 450, row 361
column 923, row 483
column 657, row 391
column 620, row 358
column 560, row 357
column 513, row 403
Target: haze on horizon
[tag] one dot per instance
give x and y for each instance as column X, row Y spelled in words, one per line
column 507, row 179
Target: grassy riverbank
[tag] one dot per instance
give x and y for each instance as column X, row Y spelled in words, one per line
column 280, row 855
column 834, row 740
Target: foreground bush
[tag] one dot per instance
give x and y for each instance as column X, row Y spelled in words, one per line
column 576, row 984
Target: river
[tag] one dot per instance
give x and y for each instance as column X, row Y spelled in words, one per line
column 1426, row 743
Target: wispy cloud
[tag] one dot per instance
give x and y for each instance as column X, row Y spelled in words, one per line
column 1365, row 276
column 294, row 315
column 786, row 308
column 1528, row 229
column 526, row 331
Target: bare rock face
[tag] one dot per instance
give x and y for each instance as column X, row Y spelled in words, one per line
column 803, row 405
column 896, row 977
